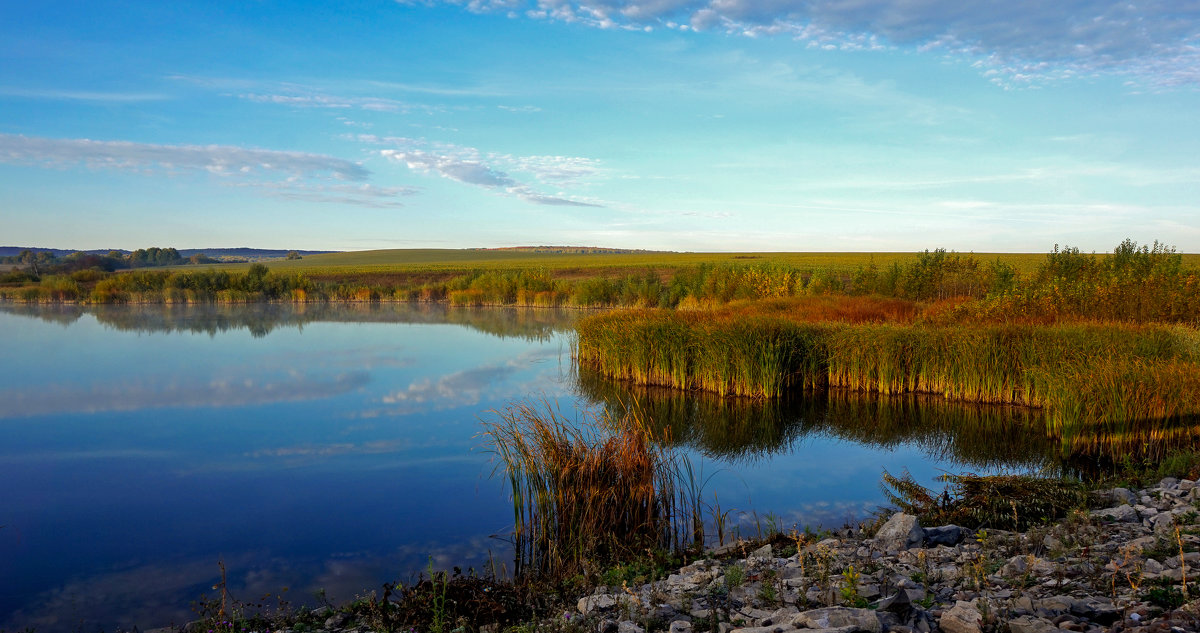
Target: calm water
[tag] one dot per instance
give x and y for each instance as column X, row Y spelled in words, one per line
column 337, row 448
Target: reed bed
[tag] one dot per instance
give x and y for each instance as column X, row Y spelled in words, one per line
column 1110, row 376
column 590, row 492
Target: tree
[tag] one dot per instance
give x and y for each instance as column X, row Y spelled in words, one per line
column 293, row 255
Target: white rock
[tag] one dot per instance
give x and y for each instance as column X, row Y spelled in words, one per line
column 901, row 532
column 963, row 617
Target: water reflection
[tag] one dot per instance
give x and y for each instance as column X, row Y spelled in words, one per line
column 984, row 437
column 974, row 436
column 533, row 324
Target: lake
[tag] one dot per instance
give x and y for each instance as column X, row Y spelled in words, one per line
column 336, row 448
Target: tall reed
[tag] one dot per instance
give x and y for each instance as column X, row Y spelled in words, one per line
column 589, row 492
column 1094, row 375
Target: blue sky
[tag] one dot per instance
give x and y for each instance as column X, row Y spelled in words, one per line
column 873, row 125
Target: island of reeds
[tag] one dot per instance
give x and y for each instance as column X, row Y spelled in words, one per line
column 1105, row 345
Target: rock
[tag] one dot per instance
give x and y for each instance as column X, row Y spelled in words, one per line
column 1018, row 565
column 1030, row 624
column 786, row 614
column 899, row 604
column 606, row 626
column 963, row 617
column 625, row 626
column 681, row 626
column 901, row 532
column 732, row 548
column 838, row 617
column 1098, row 610
column 1119, row 514
column 948, row 535
column 337, row 621
column 762, row 552
column 602, row 602
column 1056, row 604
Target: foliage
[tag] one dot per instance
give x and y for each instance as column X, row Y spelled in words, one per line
column 1007, row 502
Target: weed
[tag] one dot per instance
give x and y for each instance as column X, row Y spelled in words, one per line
column 735, row 576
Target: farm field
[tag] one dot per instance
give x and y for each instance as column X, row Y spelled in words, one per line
column 454, row 260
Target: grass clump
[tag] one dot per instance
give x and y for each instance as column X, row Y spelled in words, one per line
column 1005, row 502
column 588, row 493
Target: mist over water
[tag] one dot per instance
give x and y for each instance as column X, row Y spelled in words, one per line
column 336, row 447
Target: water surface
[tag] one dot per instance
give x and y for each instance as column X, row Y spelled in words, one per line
column 336, row 448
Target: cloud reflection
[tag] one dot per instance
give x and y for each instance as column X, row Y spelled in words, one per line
column 224, row 391
column 469, row 387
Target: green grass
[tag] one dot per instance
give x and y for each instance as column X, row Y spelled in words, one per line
column 1113, row 377
column 456, row 260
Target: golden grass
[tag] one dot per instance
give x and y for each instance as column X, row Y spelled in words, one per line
column 588, row 493
column 1107, row 376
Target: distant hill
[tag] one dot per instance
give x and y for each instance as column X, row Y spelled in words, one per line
column 252, row 254
column 248, row 253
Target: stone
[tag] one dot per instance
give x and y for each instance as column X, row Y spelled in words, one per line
column 1030, row 624
column 606, row 625
column 963, row 617
column 1119, row 514
column 625, row 626
column 762, row 552
column 1123, row 496
column 337, row 620
column 948, row 535
column 837, row 617
column 899, row 604
column 1099, row 610
column 601, row 602
column 1018, row 565
column 681, row 626
column 901, row 532
column 786, row 614
column 1056, row 604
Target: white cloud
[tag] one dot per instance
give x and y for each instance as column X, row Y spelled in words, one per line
column 491, row 171
column 286, row 175
column 81, row 95
column 147, row 157
column 373, row 104
column 363, row 195
column 1015, row 42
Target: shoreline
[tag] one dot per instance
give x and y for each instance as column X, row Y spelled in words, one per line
column 1131, row 563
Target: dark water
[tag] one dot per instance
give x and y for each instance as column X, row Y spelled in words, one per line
column 337, row 448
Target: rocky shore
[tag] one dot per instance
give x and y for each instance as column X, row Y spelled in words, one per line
column 1130, row 565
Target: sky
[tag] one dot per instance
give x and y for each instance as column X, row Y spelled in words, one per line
column 687, row 125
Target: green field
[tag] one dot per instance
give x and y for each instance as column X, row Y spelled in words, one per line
column 451, row 260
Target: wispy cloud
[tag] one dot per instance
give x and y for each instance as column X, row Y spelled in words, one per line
column 1015, row 43
column 373, row 104
column 81, row 95
column 147, row 157
column 285, row 175
column 362, row 195
column 492, row 171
